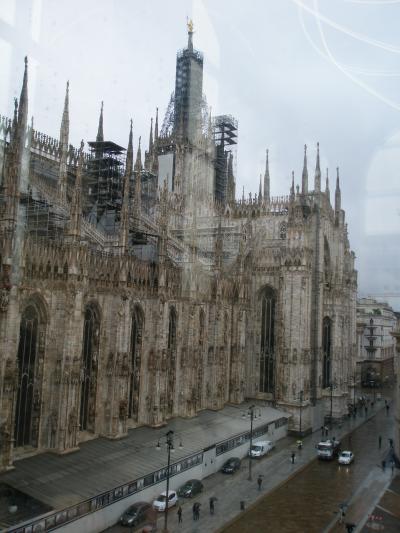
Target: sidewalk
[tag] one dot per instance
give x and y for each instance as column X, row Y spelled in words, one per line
column 231, row 490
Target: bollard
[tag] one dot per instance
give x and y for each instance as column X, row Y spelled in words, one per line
column 242, row 505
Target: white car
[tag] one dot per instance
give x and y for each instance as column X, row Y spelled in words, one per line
column 258, row 449
column 160, row 503
column 346, row 457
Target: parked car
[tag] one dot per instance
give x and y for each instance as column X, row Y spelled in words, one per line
column 136, row 513
column 160, row 503
column 258, row 449
column 190, row 488
column 231, row 465
column 346, row 457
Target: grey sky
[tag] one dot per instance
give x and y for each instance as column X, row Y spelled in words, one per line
column 291, row 72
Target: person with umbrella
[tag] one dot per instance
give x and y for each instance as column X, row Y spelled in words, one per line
column 197, row 510
column 212, row 507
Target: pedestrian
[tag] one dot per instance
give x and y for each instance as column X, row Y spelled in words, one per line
column 366, row 410
column 391, row 443
column 355, row 412
column 194, row 511
column 383, row 464
column 259, row 482
column 292, row 457
column 392, row 466
column 380, row 441
column 322, row 431
column 387, row 409
column 211, row 505
column 179, row 513
column 342, row 515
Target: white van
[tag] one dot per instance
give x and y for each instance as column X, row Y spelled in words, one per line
column 258, row 449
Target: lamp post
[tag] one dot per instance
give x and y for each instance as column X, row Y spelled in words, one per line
column 169, row 439
column 251, row 413
column 301, row 406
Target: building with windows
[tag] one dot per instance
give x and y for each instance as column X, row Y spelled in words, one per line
column 137, row 289
column 376, row 346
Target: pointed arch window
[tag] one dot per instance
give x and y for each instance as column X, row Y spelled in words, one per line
column 267, row 352
column 27, row 353
column 326, row 348
column 136, row 348
column 201, row 328
column 89, row 369
column 172, row 330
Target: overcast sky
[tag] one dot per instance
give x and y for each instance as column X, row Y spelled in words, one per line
column 291, row 72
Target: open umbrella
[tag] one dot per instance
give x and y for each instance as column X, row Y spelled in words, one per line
column 213, row 499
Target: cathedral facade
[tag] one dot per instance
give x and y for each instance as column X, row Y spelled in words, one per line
column 134, row 289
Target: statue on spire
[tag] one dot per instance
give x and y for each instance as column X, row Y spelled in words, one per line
column 190, row 25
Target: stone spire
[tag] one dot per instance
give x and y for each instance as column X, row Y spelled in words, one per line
column 76, row 204
column 304, row 178
column 337, row 195
column 129, row 154
column 138, row 186
column 64, row 136
column 317, row 179
column 23, row 103
column 231, row 180
column 190, row 35
column 156, row 127
column 124, row 228
column 151, row 136
column 292, row 188
column 100, row 134
column 327, row 191
column 266, row 179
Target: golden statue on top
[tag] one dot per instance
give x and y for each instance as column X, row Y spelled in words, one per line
column 190, row 25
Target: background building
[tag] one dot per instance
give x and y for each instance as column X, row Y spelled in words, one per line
column 136, row 289
column 376, row 346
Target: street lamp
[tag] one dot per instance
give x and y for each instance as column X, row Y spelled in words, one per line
column 253, row 415
column 169, row 439
column 301, row 406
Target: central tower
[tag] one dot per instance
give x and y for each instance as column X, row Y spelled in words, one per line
column 188, row 91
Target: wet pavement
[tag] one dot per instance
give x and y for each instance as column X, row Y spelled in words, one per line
column 309, row 502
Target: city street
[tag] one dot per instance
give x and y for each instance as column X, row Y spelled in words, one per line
column 313, row 497
column 314, row 488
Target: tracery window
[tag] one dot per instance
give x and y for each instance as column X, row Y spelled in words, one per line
column 267, row 352
column 136, row 347
column 201, row 328
column 282, row 230
column 326, row 347
column 27, row 366
column 172, row 329
column 170, row 385
column 89, row 369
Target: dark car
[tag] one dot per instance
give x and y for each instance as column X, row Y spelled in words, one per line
column 136, row 513
column 190, row 488
column 231, row 465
